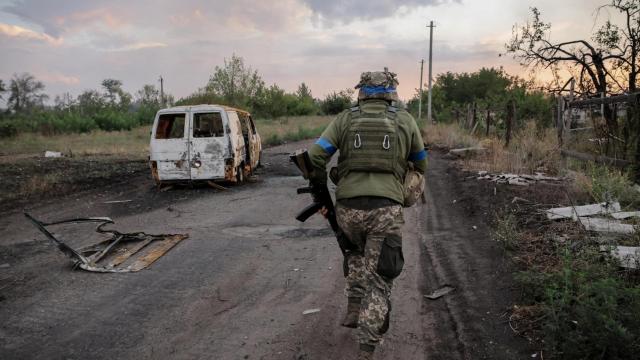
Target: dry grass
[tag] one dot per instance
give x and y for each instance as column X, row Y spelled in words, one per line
column 130, row 144
column 529, row 152
column 291, row 128
column 39, row 184
column 134, row 144
column 448, row 136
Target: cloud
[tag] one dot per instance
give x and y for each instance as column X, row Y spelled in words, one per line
column 138, row 46
column 59, row 78
column 15, row 31
column 52, row 16
column 346, row 11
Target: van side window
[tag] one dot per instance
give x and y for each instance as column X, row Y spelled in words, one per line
column 244, row 124
column 170, row 126
column 207, row 125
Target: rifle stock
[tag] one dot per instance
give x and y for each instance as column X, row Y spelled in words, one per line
column 321, row 198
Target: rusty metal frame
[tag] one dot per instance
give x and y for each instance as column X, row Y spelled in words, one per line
column 88, row 258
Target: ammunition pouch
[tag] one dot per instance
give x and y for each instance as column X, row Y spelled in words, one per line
column 391, row 260
column 371, row 144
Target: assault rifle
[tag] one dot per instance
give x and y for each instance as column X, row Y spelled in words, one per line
column 321, row 198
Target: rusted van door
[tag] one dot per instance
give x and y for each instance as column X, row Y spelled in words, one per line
column 169, row 147
column 209, row 145
column 256, row 145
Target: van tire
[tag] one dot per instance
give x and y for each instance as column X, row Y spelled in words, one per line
column 240, row 174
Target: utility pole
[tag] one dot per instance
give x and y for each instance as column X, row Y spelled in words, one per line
column 161, row 92
column 431, row 26
column 420, row 93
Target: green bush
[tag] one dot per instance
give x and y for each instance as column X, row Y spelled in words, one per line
column 592, row 312
column 505, row 231
column 7, row 128
column 609, row 184
column 111, row 120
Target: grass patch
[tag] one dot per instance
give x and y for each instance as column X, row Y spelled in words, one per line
column 449, row 136
column 39, row 184
column 505, row 230
column 590, row 309
column 295, row 128
column 134, row 143
column 130, row 144
column 531, row 149
column 608, row 185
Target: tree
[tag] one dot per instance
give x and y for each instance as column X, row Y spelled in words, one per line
column 236, row 83
column 335, row 102
column 597, row 65
column 114, row 90
column 112, row 87
column 622, row 44
column 64, row 102
column 90, row 102
column 148, row 95
column 304, row 92
column 25, row 93
column 3, row 88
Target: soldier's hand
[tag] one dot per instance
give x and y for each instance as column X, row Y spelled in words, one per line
column 324, row 212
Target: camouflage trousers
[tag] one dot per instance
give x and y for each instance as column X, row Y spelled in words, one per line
column 378, row 235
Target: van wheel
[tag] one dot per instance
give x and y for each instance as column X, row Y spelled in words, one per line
column 240, row 174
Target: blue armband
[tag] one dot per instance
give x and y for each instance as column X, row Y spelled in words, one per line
column 326, row 146
column 417, row 156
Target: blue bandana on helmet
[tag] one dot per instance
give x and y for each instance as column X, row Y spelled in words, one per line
column 374, row 90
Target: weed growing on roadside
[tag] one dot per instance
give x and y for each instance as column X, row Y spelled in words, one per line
column 505, row 231
column 609, row 185
column 592, row 312
column 39, row 184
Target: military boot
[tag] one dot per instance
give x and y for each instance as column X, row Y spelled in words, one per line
column 353, row 310
column 366, row 352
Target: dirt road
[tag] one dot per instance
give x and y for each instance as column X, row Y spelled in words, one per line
column 237, row 288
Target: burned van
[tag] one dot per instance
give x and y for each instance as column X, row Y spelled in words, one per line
column 203, row 142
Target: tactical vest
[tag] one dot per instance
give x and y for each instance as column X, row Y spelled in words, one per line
column 371, row 144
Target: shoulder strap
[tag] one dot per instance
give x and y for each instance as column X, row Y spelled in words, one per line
column 392, row 111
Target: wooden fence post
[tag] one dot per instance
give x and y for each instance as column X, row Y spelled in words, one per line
column 488, row 120
column 511, row 110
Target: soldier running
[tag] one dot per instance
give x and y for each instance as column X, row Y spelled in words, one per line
column 379, row 144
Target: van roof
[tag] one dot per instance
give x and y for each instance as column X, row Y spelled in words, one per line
column 203, row 107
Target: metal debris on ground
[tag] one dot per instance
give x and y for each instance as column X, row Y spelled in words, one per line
column 517, row 179
column 122, row 252
column 310, row 311
column 573, row 212
column 117, row 201
column 444, row 290
column 216, row 186
column 625, row 215
column 629, row 256
column 52, row 154
column 603, row 225
column 600, row 218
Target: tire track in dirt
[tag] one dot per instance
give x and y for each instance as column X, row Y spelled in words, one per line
column 459, row 251
column 237, row 288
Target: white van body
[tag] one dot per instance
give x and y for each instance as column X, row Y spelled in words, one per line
column 203, row 142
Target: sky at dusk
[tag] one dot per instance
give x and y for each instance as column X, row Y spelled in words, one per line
column 72, row 45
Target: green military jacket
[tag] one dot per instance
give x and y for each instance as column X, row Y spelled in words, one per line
column 356, row 184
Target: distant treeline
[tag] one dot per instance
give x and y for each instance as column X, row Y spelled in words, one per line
column 111, row 108
column 236, row 84
column 455, row 96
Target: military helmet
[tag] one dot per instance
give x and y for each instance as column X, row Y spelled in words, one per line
column 378, row 85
